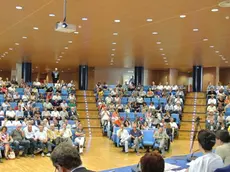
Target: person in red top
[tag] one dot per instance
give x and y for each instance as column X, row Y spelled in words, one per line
column 116, row 118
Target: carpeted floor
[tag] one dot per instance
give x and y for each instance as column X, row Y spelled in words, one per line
column 180, row 161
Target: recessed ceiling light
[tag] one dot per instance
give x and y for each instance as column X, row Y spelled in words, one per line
column 205, row 39
column 166, row 64
column 10, row 49
column 70, row 42
column 164, row 57
column 158, row 43
column 111, row 64
column 56, row 61
column 2, row 56
column 62, row 53
column 113, row 49
column 36, row 67
column 149, row 20
column 221, row 55
column 52, row 15
column 211, row 46
column 19, row 7
column 112, row 54
column 79, row 26
column 226, row 61
column 115, row 33
column 227, row 17
column 84, row 19
column 166, row 61
column 217, row 52
column 161, row 49
column 154, row 33
column 195, row 30
column 35, row 28
column 60, row 56
column 66, row 48
column 76, row 32
column 114, row 43
column 182, row 16
column 6, row 52
column 163, row 54
column 223, row 58
column 24, row 37
column 16, row 43
column 117, row 21
column 215, row 10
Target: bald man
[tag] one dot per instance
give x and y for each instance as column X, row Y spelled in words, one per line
column 19, row 140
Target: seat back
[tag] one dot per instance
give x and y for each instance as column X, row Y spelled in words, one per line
column 176, row 117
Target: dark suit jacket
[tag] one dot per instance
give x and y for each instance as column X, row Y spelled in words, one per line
column 82, row 169
column 225, row 169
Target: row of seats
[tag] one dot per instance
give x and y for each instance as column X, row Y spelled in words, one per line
column 156, row 101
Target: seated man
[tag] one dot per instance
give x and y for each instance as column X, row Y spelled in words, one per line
column 80, row 137
column 10, row 114
column 73, row 115
column 161, row 137
column 48, row 105
column 174, row 127
column 42, row 141
column 212, row 100
column 124, row 137
column 66, row 134
column 53, row 135
column 18, row 137
column 136, row 138
column 209, row 161
column 212, row 107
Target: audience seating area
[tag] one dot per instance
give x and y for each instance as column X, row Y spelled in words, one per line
column 218, row 107
column 147, row 106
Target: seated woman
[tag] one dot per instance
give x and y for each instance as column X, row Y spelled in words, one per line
column 209, row 161
column 4, row 141
column 150, row 93
column 116, row 118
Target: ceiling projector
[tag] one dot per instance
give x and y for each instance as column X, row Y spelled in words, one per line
column 64, row 27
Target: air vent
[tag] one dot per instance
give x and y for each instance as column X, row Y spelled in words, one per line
column 225, row 4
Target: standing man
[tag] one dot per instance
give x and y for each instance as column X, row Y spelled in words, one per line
column 19, row 140
column 136, row 138
column 55, row 75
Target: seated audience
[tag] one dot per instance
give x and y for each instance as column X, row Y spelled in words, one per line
column 136, row 138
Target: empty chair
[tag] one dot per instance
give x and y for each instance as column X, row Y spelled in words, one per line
column 13, row 104
column 20, row 90
column 64, row 92
column 155, row 101
column 176, row 117
column 124, row 100
column 106, row 93
column 147, row 100
column 122, row 115
column 163, row 100
column 42, row 91
column 146, row 88
column 39, row 105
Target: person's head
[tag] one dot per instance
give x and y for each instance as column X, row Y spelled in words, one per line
column 65, row 157
column 152, row 162
column 122, row 126
column 80, row 126
column 29, row 127
column 4, row 129
column 222, row 136
column 171, row 120
column 64, row 125
column 160, row 130
column 52, row 127
column 207, row 140
column 134, row 126
column 18, row 127
column 41, row 128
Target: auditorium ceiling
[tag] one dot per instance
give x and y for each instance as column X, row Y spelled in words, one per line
column 117, row 33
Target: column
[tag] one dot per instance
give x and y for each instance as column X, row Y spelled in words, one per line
column 83, row 77
column 27, row 71
column 173, row 75
column 197, row 78
column 217, row 75
column 139, row 75
column 18, row 75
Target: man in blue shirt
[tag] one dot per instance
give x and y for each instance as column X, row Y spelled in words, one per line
column 136, row 138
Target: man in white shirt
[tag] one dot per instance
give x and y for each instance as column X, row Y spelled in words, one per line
column 55, row 114
column 48, row 105
column 42, row 141
column 66, row 134
column 140, row 100
column 30, row 134
column 212, row 100
column 124, row 137
column 211, row 107
column 167, row 86
column 16, row 96
column 160, row 87
column 10, row 114
column 64, row 105
column 105, row 115
column 174, row 127
column 209, row 162
column 36, row 83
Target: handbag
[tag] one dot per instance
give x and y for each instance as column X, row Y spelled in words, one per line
column 11, row 155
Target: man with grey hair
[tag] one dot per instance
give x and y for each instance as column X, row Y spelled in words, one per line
column 19, row 140
column 66, row 158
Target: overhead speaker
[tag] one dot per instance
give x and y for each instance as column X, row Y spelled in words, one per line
column 225, row 4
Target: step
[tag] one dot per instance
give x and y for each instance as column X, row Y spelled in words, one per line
column 91, row 106
column 188, row 125
column 199, row 109
column 189, row 116
column 92, row 114
column 198, row 102
column 88, row 99
column 81, row 93
column 93, row 122
column 95, row 132
column 184, row 135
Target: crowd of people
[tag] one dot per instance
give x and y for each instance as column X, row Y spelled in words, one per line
column 145, row 100
column 218, row 103
column 35, row 117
